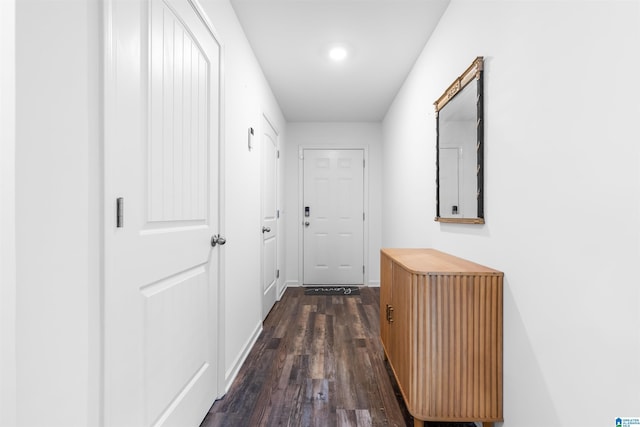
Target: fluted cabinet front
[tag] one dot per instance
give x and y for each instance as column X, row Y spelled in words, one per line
column 441, row 329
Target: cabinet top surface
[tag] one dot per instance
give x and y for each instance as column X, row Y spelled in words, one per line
column 432, row 261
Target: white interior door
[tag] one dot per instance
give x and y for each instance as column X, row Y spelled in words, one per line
column 161, row 161
column 333, row 217
column 269, row 216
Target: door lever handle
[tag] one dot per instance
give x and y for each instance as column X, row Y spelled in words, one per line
column 266, row 229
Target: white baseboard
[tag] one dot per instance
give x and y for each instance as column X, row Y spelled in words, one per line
column 281, row 292
column 292, row 284
column 374, row 283
column 232, row 373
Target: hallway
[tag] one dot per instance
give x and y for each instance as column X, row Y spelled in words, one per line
column 560, row 176
column 318, row 362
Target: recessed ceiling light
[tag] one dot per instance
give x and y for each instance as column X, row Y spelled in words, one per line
column 338, row 53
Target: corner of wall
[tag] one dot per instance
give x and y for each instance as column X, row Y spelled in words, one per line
column 234, row 369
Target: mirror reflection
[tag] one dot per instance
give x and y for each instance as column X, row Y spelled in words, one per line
column 459, row 149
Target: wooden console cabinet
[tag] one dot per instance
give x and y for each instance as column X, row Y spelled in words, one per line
column 441, row 329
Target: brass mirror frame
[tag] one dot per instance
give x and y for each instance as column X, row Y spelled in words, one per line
column 472, row 74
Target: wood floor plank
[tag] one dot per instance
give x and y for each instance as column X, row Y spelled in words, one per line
column 318, row 362
column 317, row 370
column 363, row 418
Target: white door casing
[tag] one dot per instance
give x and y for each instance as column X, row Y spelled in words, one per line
column 333, row 231
column 162, row 136
column 269, row 172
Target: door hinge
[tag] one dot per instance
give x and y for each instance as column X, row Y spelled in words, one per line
column 363, row 269
column 277, row 274
column 278, row 213
column 363, row 216
column 278, row 154
column 120, row 212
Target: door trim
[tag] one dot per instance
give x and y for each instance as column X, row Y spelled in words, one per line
column 221, row 197
column 108, row 85
column 300, row 216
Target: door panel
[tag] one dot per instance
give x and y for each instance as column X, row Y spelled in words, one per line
column 172, row 307
column 334, row 230
column 161, row 159
column 179, row 105
column 269, row 216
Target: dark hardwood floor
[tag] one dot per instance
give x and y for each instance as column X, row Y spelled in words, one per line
column 318, row 362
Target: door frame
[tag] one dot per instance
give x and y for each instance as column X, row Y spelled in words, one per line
column 107, row 99
column 300, row 216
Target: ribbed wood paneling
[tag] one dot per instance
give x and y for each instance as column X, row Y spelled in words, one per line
column 401, row 321
column 449, row 365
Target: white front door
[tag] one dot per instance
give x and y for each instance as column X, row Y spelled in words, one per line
column 333, row 217
column 269, row 230
column 162, row 109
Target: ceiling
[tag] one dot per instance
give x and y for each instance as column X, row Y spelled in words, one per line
column 291, row 39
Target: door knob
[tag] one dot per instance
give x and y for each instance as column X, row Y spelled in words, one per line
column 306, row 223
column 217, row 239
column 266, row 229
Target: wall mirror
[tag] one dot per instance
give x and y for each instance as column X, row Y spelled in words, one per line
column 459, row 145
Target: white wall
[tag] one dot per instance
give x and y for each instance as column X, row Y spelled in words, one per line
column 562, row 183
column 58, row 190
column 331, row 135
column 7, row 215
column 247, row 96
